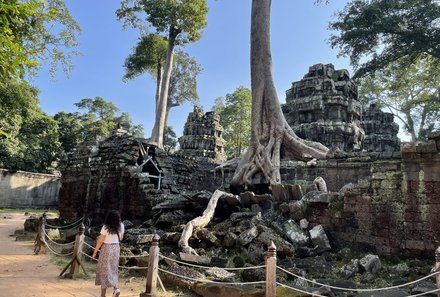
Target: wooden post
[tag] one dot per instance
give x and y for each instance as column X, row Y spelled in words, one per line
column 40, row 239
column 153, row 264
column 77, row 256
column 437, row 268
column 271, row 271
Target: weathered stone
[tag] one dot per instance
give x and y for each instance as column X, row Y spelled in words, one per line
column 283, row 247
column 320, row 239
column 320, row 184
column 295, row 234
column 220, row 274
column 370, row 263
column 202, row 136
column 194, row 258
column 239, row 216
column 247, row 236
column 208, row 237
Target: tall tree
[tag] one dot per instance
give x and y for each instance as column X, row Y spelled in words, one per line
column 236, row 121
column 29, row 36
column 271, row 134
column 381, row 32
column 149, row 57
column 33, row 143
column 412, row 94
column 182, row 22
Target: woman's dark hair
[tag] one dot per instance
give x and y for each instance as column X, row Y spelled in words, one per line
column 113, row 221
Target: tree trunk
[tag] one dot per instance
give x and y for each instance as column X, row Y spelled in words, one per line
column 270, row 131
column 161, row 109
column 199, row 222
column 159, row 69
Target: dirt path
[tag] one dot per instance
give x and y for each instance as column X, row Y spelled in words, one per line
column 23, row 274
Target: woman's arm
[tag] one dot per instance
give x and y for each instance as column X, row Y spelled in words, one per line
column 98, row 245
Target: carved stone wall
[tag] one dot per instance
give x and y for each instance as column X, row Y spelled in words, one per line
column 324, row 107
column 203, row 137
column 380, row 130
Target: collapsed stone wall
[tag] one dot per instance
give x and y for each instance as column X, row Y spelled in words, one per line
column 126, row 173
column 20, row 189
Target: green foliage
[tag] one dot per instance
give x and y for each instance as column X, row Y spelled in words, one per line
column 183, row 81
column 219, row 105
column 182, row 19
column 375, row 34
column 236, row 121
column 411, row 93
column 97, row 122
column 169, row 140
column 33, row 143
column 148, row 56
column 28, row 36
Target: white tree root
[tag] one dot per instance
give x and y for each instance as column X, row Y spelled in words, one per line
column 199, row 222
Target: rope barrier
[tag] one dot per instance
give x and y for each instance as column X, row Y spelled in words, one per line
column 55, row 253
column 209, row 281
column 77, row 223
column 54, row 242
column 209, row 267
column 357, row 290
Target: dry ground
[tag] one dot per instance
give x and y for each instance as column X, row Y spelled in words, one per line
column 23, row 274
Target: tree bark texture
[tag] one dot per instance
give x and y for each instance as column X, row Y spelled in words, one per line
column 161, row 108
column 270, row 131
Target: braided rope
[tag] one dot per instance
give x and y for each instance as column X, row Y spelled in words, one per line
column 209, row 281
column 56, row 243
column 357, row 290
column 209, row 267
column 66, row 226
column 54, row 252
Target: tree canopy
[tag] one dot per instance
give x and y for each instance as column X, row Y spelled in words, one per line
column 98, row 119
column 376, row 33
column 35, row 30
column 411, row 93
column 181, row 22
column 235, row 117
column 32, row 143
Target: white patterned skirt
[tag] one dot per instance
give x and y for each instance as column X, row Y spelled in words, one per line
column 108, row 262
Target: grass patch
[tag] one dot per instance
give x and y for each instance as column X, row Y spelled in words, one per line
column 49, row 212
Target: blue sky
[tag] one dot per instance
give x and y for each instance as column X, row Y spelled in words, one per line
column 299, row 39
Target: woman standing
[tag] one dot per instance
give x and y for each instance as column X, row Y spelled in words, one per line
column 107, row 271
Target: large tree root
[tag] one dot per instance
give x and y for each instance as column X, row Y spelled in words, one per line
column 199, row 222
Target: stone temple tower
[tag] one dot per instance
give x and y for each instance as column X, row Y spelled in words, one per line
column 324, row 107
column 203, row 136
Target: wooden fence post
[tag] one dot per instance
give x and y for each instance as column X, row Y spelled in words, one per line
column 77, row 256
column 153, row 265
column 40, row 238
column 271, row 271
column 437, row 268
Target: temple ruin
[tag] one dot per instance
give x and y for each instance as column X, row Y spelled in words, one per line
column 203, row 136
column 324, row 107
